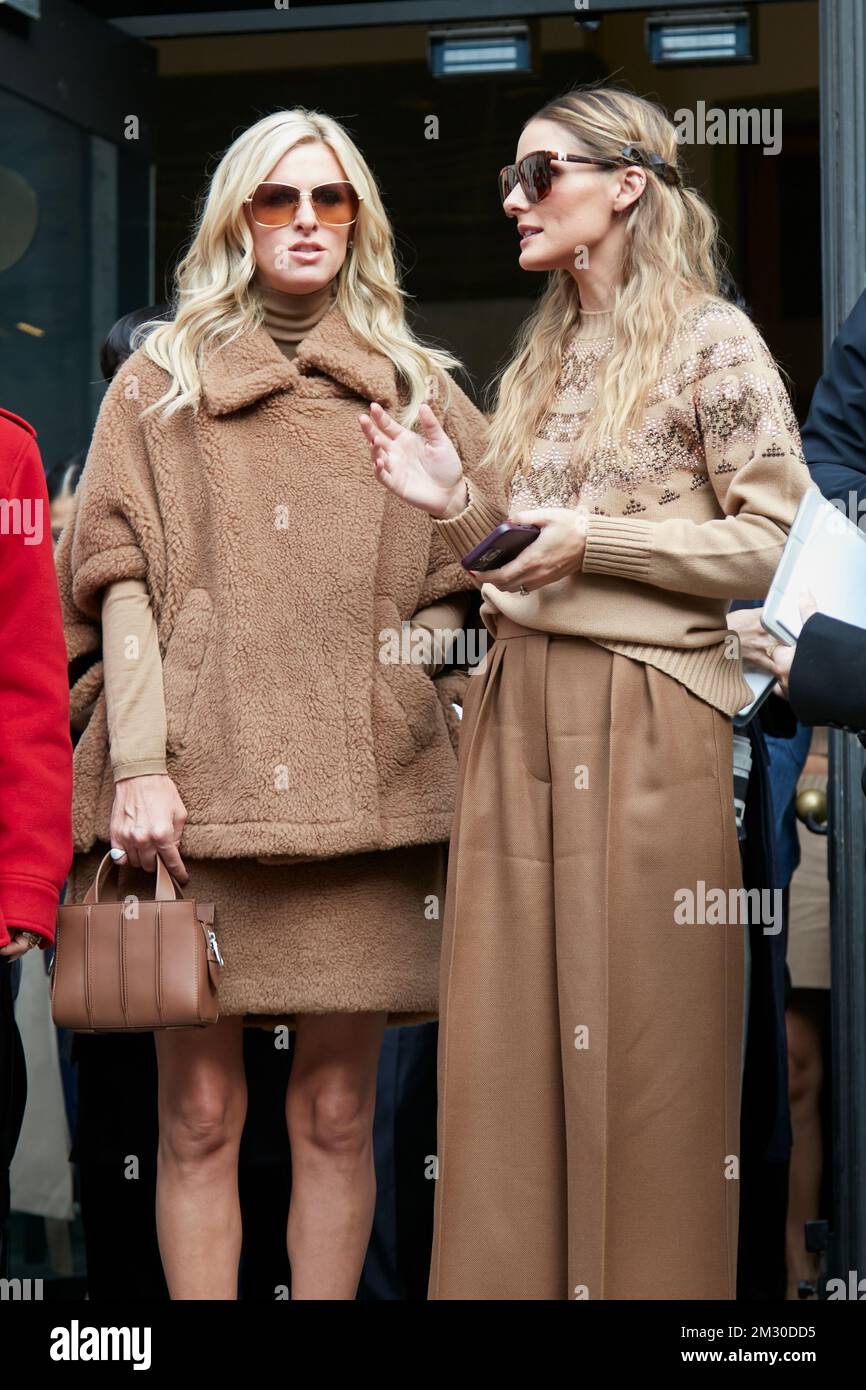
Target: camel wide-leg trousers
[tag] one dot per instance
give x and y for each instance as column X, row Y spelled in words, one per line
column 590, row 1044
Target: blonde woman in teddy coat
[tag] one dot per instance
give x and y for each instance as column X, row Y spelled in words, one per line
column 246, row 576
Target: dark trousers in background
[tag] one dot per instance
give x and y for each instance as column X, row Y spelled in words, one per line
column 117, row 1120
column 765, row 1131
column 115, row 1149
column 404, row 1140
column 13, row 1094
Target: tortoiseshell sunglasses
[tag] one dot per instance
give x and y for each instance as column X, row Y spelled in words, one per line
column 535, row 176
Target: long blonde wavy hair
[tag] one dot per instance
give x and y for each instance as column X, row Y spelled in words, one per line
column 673, row 257
column 212, row 298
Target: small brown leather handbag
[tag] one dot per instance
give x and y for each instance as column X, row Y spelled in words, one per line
column 135, row 966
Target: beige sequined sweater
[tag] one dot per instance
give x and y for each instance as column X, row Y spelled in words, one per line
column 697, row 517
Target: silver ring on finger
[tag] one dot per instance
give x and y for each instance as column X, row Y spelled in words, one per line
column 524, row 593
column 117, row 852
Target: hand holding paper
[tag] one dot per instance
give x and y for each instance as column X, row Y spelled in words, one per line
column 782, row 655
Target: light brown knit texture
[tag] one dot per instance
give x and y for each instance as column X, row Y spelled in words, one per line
column 134, row 692
column 696, row 517
column 290, row 317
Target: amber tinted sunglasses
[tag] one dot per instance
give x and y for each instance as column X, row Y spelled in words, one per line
column 276, row 204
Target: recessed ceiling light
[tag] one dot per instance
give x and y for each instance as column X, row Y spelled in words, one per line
column 699, row 36
column 473, row 52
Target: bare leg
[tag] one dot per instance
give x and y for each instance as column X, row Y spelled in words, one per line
column 804, row 1087
column 202, row 1107
column 329, row 1110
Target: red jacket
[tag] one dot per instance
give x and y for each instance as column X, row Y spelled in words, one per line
column 35, row 746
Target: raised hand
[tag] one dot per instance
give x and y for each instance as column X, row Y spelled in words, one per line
column 424, row 469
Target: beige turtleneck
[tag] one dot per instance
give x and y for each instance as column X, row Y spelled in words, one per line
column 134, row 694
column 290, row 317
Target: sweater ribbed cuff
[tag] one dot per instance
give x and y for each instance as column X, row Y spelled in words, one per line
column 618, row 545
column 149, row 767
column 466, row 530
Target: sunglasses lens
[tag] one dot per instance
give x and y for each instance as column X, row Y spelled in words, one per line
column 507, row 181
column 533, row 174
column 535, row 179
column 275, row 204
column 336, row 204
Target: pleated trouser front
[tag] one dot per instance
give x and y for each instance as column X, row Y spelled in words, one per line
column 589, row 1052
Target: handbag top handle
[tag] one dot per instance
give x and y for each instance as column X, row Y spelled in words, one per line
column 167, row 889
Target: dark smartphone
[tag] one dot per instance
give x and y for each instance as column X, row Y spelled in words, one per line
column 502, row 545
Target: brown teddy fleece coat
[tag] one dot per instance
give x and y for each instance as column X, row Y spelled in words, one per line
column 276, row 562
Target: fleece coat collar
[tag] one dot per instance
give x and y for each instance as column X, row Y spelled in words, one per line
column 251, row 366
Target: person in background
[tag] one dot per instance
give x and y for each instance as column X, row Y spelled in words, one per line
column 824, row 678
column 766, row 1138
column 35, row 756
column 108, row 1118
column 769, row 851
column 62, row 480
column 824, row 674
column 808, row 1020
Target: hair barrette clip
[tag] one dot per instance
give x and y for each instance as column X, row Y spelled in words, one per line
column 663, row 169
column 660, row 167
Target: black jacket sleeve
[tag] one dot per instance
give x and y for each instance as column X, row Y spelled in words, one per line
column 834, row 435
column 777, row 718
column 827, row 684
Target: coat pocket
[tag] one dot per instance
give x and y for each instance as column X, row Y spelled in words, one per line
column 182, row 663
column 450, row 689
column 406, row 709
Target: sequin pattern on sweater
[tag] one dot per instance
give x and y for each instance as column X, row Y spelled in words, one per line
column 706, row 401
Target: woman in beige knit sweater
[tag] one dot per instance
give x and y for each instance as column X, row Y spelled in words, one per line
column 592, row 973
column 246, row 577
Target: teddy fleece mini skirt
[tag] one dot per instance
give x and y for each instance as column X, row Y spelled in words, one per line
column 589, row 1044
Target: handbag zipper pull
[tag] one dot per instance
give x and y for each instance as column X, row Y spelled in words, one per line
column 215, row 947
